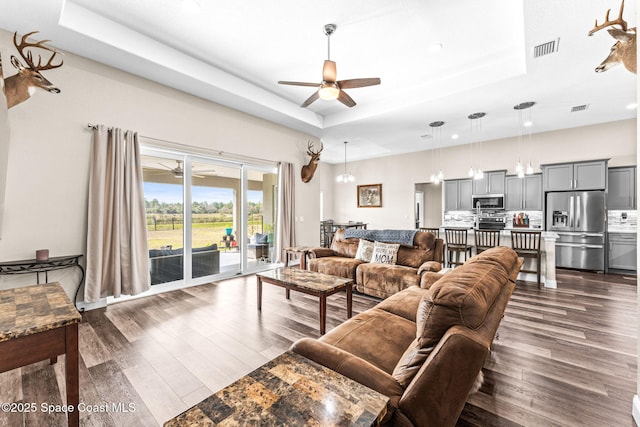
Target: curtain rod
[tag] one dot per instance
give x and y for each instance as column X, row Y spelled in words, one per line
column 230, row 156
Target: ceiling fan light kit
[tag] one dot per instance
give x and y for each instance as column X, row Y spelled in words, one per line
column 330, row 88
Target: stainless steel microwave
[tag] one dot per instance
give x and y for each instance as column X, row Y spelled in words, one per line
column 488, row 201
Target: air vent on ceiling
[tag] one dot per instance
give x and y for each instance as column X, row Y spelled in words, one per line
column 579, row 108
column 546, row 48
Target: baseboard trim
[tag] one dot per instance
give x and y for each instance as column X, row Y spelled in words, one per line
column 635, row 409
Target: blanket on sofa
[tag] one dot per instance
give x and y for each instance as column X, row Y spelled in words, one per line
column 404, row 237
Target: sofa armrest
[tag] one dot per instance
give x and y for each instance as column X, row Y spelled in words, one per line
column 350, row 366
column 429, row 278
column 438, row 392
column 434, row 266
column 320, row 252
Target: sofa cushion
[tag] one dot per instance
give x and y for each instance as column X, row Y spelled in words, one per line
column 336, row 266
column 422, row 251
column 405, row 303
column 375, row 335
column 365, row 250
column 342, row 246
column 384, row 280
column 461, row 297
column 384, row 253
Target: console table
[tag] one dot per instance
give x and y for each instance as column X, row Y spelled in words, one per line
column 38, row 322
column 30, row 266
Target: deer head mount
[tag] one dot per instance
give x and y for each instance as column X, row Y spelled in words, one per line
column 310, row 168
column 19, row 87
column 624, row 50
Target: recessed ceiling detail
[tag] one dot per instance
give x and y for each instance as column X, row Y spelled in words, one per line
column 579, row 108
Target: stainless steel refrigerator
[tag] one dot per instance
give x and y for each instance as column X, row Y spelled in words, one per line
column 579, row 218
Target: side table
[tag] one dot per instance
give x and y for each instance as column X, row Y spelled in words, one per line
column 28, row 266
column 293, row 250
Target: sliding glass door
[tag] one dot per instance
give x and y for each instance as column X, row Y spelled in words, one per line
column 227, row 227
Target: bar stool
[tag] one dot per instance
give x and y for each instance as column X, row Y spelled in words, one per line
column 456, row 240
column 434, row 230
column 527, row 245
column 486, row 239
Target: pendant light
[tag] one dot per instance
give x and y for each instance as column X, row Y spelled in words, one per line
column 477, row 173
column 520, row 169
column 345, row 177
column 437, row 177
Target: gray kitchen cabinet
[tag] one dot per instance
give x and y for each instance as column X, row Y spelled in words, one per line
column 492, row 183
column 622, row 188
column 523, row 193
column 575, row 176
column 622, row 251
column 457, row 194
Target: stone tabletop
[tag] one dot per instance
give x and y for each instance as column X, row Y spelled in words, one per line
column 290, row 390
column 33, row 309
column 296, row 277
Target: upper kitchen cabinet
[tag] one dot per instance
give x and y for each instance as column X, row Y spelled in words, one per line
column 590, row 175
column 457, row 195
column 523, row 193
column 622, row 188
column 491, row 183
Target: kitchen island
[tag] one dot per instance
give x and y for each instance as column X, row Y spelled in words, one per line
column 547, row 246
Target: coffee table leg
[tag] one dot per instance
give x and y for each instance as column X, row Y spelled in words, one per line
column 323, row 313
column 349, row 305
column 259, row 293
column 288, row 293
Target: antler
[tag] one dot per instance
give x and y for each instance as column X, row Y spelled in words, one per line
column 609, row 23
column 28, row 58
column 310, row 149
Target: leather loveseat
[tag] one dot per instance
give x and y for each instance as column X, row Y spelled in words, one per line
column 378, row 279
column 166, row 265
column 425, row 346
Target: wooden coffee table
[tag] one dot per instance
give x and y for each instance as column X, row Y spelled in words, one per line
column 307, row 282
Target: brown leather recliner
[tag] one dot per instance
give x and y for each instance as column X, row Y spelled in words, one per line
column 424, row 347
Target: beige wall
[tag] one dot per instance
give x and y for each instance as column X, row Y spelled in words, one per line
column 47, row 174
column 398, row 174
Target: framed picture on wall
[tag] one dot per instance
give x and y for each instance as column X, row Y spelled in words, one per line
column 370, row 196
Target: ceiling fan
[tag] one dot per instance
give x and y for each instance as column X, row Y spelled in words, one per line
column 178, row 171
column 330, row 88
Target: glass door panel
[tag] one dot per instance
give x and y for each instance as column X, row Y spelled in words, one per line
column 163, row 197
column 215, row 225
column 261, row 215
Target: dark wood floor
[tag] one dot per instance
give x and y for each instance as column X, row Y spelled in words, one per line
column 564, row 357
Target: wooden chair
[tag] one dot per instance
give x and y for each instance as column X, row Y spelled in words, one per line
column 486, row 239
column 456, row 241
column 434, row 230
column 527, row 245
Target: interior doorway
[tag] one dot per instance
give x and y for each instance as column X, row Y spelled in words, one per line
column 428, row 205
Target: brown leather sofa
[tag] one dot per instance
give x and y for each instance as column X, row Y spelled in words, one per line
column 425, row 346
column 379, row 280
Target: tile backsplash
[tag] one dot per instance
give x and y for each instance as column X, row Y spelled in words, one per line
column 622, row 220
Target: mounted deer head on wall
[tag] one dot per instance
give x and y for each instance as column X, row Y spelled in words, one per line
column 310, row 168
column 19, row 87
column 624, row 50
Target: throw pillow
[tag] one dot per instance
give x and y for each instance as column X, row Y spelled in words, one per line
column 365, row 250
column 384, row 253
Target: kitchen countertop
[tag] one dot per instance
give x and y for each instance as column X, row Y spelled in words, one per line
column 622, row 231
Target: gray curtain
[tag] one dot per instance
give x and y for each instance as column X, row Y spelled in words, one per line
column 117, row 249
column 287, row 211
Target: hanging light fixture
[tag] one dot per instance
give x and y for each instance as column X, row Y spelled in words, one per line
column 475, row 173
column 345, row 177
column 520, row 169
column 437, row 177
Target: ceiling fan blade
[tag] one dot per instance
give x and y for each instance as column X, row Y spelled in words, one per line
column 298, row 83
column 165, row 166
column 354, row 83
column 329, row 73
column 310, row 99
column 346, row 99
